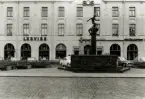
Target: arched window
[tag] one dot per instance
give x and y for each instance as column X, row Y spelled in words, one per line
column 60, row 51
column 9, row 51
column 25, row 51
column 87, row 49
column 115, row 50
column 132, row 51
column 44, row 51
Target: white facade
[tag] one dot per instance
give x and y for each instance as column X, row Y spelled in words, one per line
column 70, row 39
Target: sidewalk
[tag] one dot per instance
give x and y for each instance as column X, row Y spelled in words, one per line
column 54, row 72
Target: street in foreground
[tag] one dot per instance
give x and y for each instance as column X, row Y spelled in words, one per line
column 71, row 88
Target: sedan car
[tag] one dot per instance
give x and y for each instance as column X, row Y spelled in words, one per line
column 124, row 64
column 124, row 61
column 65, row 62
column 139, row 62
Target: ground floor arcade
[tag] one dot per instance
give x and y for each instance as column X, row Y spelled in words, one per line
column 59, row 49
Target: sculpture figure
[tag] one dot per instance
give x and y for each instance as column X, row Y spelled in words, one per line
column 93, row 28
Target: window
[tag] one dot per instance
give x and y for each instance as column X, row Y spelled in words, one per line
column 9, row 29
column 79, row 11
column 98, row 26
column 131, row 11
column 79, row 28
column 26, row 12
column 115, row 12
column 44, row 12
column 97, row 11
column 132, row 29
column 25, row 29
column 115, row 30
column 9, row 11
column 61, row 29
column 61, row 12
column 43, row 29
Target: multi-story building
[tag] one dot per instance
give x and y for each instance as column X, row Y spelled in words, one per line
column 57, row 28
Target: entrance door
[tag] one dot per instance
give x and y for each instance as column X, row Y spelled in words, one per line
column 115, row 50
column 25, row 51
column 60, row 51
column 44, row 51
column 132, row 52
column 9, row 51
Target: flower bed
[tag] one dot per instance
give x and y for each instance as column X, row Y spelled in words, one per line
column 40, row 63
column 6, row 65
column 23, row 64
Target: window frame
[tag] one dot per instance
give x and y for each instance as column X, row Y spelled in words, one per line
column 26, row 28
column 79, row 29
column 44, row 11
column 26, row 11
column 61, row 11
column 115, row 27
column 61, row 29
column 9, row 11
column 134, row 27
column 9, row 28
column 115, row 11
column 44, row 27
column 79, row 12
column 96, row 11
column 132, row 12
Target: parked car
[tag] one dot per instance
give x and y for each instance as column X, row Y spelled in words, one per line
column 139, row 62
column 124, row 62
column 65, row 62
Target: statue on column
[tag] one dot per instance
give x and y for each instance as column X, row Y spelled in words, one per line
column 93, row 32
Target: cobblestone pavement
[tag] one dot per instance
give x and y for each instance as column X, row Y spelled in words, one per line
column 71, row 88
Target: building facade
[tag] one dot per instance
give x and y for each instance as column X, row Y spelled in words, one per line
column 56, row 28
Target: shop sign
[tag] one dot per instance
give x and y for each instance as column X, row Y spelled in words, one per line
column 34, row 38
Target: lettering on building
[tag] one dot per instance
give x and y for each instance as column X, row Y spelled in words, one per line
column 34, row 38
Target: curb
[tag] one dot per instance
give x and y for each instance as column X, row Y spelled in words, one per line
column 63, row 75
